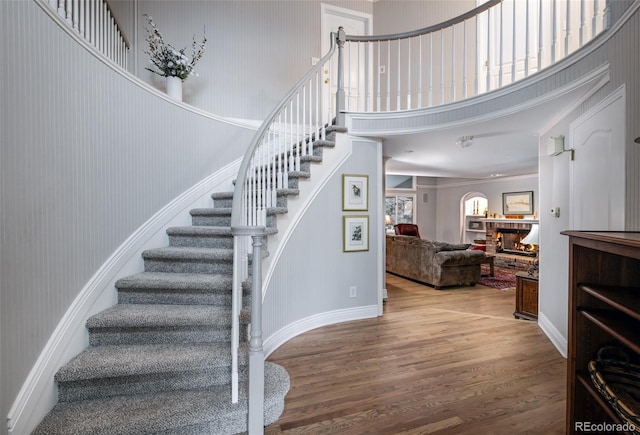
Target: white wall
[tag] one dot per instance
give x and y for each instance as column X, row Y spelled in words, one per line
column 620, row 52
column 88, row 156
column 310, row 285
column 256, row 50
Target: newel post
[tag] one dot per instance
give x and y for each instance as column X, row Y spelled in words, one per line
column 256, row 352
column 340, row 96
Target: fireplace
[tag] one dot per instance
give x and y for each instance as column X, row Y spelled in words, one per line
column 509, row 241
column 503, row 238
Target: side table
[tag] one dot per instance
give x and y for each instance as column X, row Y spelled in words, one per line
column 526, row 296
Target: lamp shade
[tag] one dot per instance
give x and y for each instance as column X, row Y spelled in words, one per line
column 532, row 237
column 387, row 220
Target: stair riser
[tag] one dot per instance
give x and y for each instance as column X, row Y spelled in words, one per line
column 219, row 267
column 146, row 384
column 232, row 423
column 281, row 201
column 226, row 221
column 215, row 242
column 204, row 334
column 177, row 297
column 215, row 221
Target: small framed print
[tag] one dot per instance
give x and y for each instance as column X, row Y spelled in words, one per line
column 355, row 192
column 355, row 233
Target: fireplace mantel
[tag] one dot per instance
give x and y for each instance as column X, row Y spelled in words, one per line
column 512, row 221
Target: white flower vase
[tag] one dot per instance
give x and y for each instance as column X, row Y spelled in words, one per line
column 174, row 87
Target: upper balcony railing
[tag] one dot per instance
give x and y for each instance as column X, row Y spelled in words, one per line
column 94, row 22
column 491, row 46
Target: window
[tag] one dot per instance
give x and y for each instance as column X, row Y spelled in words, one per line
column 400, row 208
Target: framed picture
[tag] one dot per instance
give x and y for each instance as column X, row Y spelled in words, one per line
column 517, row 203
column 355, row 233
column 475, row 225
column 355, row 192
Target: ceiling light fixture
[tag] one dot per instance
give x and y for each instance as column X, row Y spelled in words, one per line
column 465, row 141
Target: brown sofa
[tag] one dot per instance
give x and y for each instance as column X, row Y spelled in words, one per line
column 435, row 263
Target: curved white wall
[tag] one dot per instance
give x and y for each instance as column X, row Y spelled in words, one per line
column 88, row 156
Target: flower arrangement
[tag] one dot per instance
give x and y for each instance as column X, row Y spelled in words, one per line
column 167, row 61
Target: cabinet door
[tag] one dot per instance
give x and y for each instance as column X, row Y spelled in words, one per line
column 530, row 297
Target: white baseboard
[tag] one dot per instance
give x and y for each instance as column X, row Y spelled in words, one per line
column 552, row 333
column 39, row 392
column 294, row 329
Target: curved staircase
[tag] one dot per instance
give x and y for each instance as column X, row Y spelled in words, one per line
column 159, row 361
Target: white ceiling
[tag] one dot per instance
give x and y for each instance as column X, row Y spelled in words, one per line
column 504, row 144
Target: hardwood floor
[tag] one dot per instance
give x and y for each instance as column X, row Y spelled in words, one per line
column 451, row 361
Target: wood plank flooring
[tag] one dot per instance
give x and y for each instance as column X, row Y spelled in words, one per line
column 451, row 361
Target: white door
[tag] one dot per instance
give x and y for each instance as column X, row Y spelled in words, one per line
column 357, row 76
column 598, row 169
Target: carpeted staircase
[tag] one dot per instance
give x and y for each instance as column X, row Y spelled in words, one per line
column 159, row 361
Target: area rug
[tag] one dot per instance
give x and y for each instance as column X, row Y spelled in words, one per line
column 504, row 279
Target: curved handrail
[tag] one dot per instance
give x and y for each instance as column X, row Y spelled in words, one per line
column 259, row 136
column 425, row 30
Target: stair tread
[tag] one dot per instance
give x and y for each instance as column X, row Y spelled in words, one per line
column 171, row 280
column 152, row 315
column 144, row 414
column 200, row 230
column 109, row 361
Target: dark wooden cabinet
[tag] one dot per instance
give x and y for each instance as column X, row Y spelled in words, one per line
column 526, row 296
column 604, row 309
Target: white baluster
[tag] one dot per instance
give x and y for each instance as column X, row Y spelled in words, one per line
column 430, row 69
column 513, row 44
column 310, row 143
column 61, row 11
column 567, row 36
column 378, row 74
column 594, row 20
column 453, row 63
column 540, row 37
column 554, row 31
column 304, row 125
column 280, row 180
column 348, row 87
column 82, row 6
column 358, row 84
column 583, row 23
column 297, row 138
column 488, row 76
column 317, row 129
column 68, row 8
column 441, row 66
column 527, row 42
column 420, row 72
column 75, row 15
column 476, row 79
column 388, row 102
column 409, row 56
column 464, row 59
column 399, row 85
column 500, row 47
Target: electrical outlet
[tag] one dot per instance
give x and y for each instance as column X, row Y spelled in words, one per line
column 353, row 291
column 382, row 69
